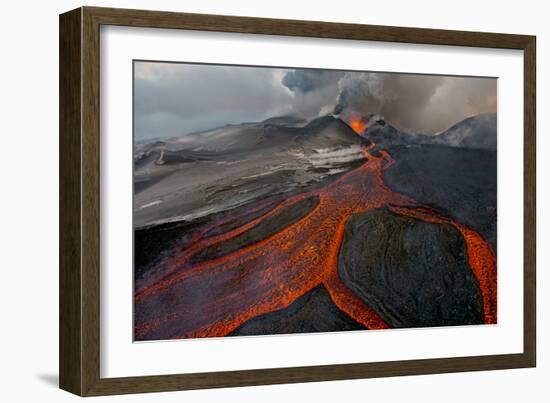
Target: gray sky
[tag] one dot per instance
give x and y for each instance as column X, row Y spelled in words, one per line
column 173, row 99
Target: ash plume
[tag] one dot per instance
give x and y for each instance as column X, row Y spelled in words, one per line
column 410, row 102
column 415, row 103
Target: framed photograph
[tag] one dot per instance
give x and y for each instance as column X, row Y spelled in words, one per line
column 249, row 201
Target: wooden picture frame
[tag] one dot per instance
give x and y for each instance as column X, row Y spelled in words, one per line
column 79, row 347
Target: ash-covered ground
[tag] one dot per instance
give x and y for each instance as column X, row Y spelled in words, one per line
column 195, row 175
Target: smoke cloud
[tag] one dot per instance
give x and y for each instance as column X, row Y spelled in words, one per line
column 410, row 102
column 417, row 103
column 305, row 81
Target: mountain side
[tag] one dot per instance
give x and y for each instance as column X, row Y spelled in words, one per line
column 202, row 173
column 478, row 132
column 475, row 132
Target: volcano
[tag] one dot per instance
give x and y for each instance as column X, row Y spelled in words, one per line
column 284, row 226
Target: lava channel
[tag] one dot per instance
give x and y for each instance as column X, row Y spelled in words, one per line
column 213, row 297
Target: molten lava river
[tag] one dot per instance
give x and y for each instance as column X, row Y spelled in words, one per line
column 212, row 297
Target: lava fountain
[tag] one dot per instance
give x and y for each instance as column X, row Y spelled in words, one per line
column 358, row 125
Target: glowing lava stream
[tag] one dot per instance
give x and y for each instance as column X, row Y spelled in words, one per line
column 214, row 297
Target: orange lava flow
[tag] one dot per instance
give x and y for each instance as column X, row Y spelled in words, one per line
column 349, row 303
column 214, row 297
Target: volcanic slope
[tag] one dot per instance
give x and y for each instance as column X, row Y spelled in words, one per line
column 203, row 173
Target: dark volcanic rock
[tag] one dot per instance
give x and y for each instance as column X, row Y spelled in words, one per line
column 476, row 132
column 412, row 273
column 312, row 312
column 265, row 228
column 384, row 135
column 151, row 244
column 460, row 183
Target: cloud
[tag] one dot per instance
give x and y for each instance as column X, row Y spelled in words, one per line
column 172, row 99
